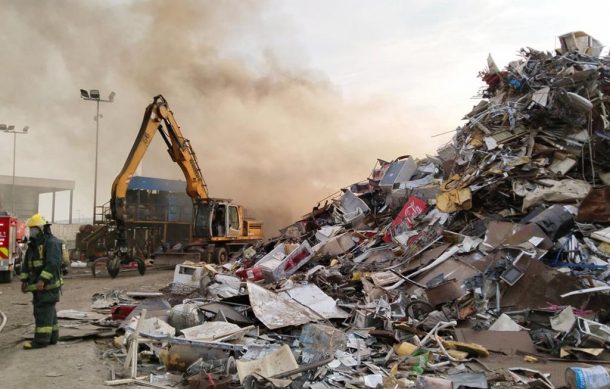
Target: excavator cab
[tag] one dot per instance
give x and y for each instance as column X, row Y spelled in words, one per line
column 216, row 219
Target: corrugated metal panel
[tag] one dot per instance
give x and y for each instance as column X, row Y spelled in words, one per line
column 151, row 183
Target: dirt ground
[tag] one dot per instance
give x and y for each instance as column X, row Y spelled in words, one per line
column 65, row 365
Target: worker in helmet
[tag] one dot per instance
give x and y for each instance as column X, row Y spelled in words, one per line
column 41, row 275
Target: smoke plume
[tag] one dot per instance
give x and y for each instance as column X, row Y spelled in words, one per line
column 269, row 132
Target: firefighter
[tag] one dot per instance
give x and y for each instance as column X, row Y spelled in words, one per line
column 41, row 275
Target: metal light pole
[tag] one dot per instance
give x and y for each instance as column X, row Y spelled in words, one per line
column 94, row 95
column 11, row 130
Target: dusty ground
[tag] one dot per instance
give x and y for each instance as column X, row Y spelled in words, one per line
column 66, row 365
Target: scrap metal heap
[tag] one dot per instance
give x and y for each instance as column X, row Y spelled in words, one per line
column 486, row 265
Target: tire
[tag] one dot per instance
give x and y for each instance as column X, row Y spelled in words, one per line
column 114, row 266
column 221, row 255
column 6, row 276
column 141, row 265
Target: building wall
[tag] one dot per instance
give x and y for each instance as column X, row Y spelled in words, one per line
column 27, row 194
column 66, row 232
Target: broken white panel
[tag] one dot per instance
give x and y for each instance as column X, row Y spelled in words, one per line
column 579, row 138
column 315, row 299
column 541, row 96
column 210, row 330
column 603, row 235
column 403, row 238
column 581, row 42
column 593, row 329
column 428, row 168
column 564, row 321
column 398, row 172
column 327, row 232
column 284, row 260
column 384, row 278
column 153, row 327
column 469, row 244
column 490, row 143
column 373, row 380
column 376, row 254
column 551, row 191
column 562, row 166
column 278, row 310
column 435, row 216
column 249, row 252
column 491, row 65
column 350, row 208
column 417, row 183
column 337, row 245
column 188, row 275
column 344, row 358
column 281, row 361
column 531, row 378
column 226, row 286
column 505, row 323
column 535, row 240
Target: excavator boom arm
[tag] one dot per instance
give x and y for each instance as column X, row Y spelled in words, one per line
column 158, row 117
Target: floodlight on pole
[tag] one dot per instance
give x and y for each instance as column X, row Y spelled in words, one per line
column 94, row 95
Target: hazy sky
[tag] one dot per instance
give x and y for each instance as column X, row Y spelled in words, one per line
column 285, row 101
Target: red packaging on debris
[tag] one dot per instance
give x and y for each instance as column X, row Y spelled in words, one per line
column 412, row 208
column 120, row 312
column 252, row 274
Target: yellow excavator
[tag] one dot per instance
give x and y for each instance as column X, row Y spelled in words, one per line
column 219, row 226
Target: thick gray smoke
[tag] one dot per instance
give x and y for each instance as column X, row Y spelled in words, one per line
column 269, row 132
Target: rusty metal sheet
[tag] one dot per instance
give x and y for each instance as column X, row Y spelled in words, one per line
column 445, row 292
column 507, row 342
column 541, row 285
column 595, row 207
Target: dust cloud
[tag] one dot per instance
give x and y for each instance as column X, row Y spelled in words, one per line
column 269, row 131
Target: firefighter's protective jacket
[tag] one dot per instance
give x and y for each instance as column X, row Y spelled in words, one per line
column 43, row 262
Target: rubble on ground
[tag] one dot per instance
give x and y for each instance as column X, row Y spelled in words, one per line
column 485, row 265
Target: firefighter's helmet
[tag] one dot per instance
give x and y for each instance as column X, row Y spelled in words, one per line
column 36, row 221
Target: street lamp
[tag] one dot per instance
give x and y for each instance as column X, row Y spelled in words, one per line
column 11, row 130
column 94, row 95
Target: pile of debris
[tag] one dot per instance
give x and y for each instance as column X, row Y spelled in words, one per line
column 486, row 265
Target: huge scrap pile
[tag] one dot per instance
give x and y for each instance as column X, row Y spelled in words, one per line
column 486, row 265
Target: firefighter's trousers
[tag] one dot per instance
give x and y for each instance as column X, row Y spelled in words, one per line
column 45, row 315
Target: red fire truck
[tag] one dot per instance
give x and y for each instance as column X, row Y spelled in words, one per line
column 12, row 232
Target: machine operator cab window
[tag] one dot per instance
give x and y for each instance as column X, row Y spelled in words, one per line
column 233, row 221
column 204, row 216
column 219, row 221
column 215, row 220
